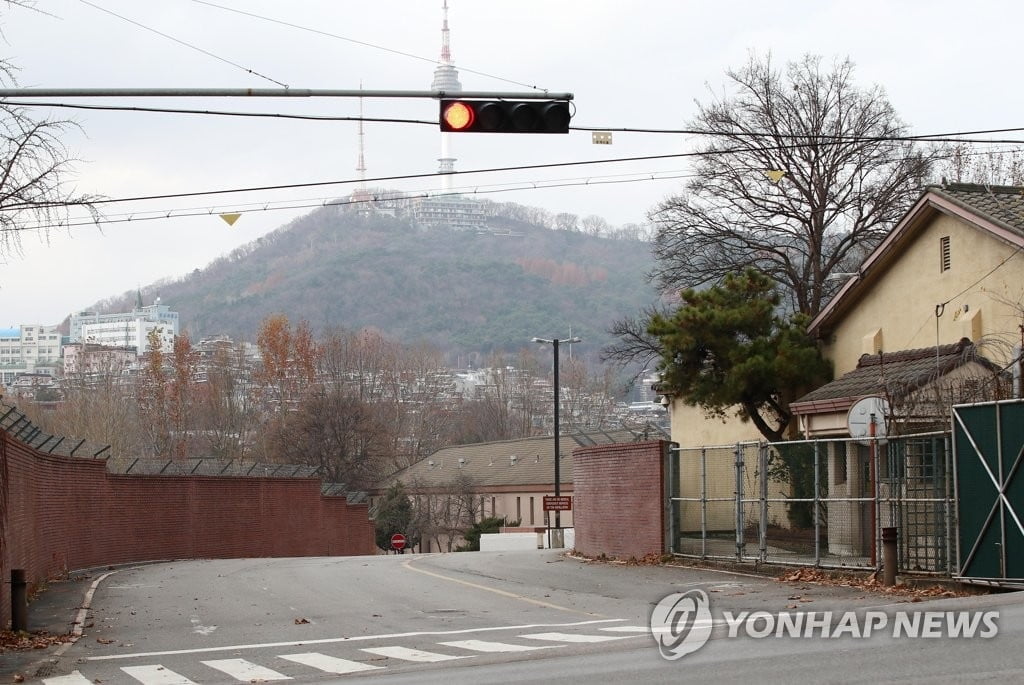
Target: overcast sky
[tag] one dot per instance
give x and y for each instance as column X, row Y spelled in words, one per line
column 946, row 67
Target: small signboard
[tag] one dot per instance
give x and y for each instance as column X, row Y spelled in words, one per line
column 559, row 503
column 397, row 541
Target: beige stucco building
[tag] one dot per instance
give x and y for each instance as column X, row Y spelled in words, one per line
column 951, row 269
column 948, row 280
column 933, row 316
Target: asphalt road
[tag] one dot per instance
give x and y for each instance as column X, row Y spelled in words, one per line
column 533, row 616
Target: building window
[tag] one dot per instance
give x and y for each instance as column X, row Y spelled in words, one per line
column 944, row 253
column 519, row 508
column 531, row 511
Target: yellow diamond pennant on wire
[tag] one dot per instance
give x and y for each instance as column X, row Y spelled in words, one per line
column 775, row 175
column 230, row 218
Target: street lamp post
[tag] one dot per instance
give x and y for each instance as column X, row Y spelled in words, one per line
column 556, row 538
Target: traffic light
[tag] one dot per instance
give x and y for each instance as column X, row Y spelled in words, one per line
column 505, row 116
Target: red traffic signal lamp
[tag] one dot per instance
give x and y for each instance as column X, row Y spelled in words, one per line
column 505, row 116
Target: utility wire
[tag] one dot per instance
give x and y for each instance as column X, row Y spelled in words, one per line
column 363, row 43
column 172, row 214
column 181, row 42
column 149, row 215
column 379, row 179
column 953, row 137
column 221, row 113
column 264, row 205
column 402, row 177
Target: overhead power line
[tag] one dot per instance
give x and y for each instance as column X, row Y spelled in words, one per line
column 136, row 218
column 181, row 42
column 363, row 43
column 952, row 137
column 265, row 206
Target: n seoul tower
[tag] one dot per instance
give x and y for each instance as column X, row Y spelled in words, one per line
column 446, row 78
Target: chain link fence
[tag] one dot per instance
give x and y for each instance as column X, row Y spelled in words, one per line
column 816, row 502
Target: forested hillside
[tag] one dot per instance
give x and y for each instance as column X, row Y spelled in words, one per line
column 463, row 291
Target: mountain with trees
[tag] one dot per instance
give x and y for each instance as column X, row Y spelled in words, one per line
column 528, row 274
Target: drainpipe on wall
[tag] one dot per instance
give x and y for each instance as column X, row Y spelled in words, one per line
column 1016, row 371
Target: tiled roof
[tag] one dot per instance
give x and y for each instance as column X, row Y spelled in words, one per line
column 995, row 209
column 897, row 373
column 1001, row 204
column 529, row 461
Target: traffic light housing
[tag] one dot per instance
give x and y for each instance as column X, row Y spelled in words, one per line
column 505, row 116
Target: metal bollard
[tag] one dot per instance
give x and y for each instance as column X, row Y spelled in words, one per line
column 889, row 556
column 19, row 601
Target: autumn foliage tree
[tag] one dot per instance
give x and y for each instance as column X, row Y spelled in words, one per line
column 153, row 395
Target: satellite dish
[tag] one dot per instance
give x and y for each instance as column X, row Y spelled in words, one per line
column 859, row 419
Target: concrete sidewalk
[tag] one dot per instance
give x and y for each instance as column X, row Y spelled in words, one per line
column 55, row 610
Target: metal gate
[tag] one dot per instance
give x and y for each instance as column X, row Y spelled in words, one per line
column 988, row 443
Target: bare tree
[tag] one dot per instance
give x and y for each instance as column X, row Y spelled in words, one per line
column 336, row 432
column 98, row 403
column 35, row 168
column 225, row 409
column 801, row 174
column 967, row 164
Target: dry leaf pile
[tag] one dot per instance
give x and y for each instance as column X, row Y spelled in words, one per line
column 869, row 582
column 11, row 641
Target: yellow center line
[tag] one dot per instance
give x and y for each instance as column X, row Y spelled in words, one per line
column 504, row 593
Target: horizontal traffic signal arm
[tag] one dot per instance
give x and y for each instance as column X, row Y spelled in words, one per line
column 504, row 116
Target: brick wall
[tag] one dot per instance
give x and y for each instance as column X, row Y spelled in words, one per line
column 618, row 499
column 66, row 513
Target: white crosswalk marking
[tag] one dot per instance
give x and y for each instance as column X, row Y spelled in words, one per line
column 156, row 675
column 329, row 664
column 243, row 670
column 407, row 654
column 573, row 637
column 648, row 630
column 484, row 646
column 73, row 678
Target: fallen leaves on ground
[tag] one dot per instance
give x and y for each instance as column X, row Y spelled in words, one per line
column 647, row 560
column 11, row 641
column 868, row 582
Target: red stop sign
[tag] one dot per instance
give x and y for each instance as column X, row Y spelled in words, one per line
column 397, row 541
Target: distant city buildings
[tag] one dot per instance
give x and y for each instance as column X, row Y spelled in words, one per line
column 127, row 329
column 29, row 349
column 89, row 359
column 31, row 353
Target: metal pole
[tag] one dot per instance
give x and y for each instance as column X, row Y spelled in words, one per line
column 889, row 534
column 739, row 503
column 274, row 93
column 817, row 504
column 19, row 601
column 950, row 504
column 558, row 477
column 703, row 502
column 763, row 483
column 873, row 487
column 1002, row 489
